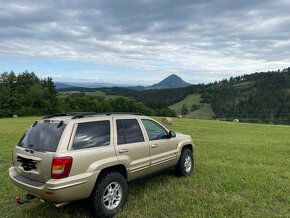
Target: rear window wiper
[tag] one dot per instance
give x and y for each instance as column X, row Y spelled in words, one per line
column 60, row 124
column 33, row 150
column 29, row 150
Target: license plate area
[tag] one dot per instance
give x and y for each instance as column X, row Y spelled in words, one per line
column 27, row 164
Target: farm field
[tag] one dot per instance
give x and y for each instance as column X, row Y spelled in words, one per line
column 241, row 170
column 94, row 93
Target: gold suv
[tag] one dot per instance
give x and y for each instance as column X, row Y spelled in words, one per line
column 67, row 157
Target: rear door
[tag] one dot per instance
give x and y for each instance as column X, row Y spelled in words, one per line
column 163, row 150
column 131, row 147
column 33, row 155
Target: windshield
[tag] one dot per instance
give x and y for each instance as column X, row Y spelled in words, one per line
column 42, row 137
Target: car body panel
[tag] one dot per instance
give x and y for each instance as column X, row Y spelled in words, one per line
column 139, row 159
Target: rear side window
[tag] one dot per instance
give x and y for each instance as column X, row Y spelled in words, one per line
column 42, row 137
column 129, row 131
column 92, row 134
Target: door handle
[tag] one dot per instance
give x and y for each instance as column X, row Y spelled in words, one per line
column 123, row 150
column 154, row 146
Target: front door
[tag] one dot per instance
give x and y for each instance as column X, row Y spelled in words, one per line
column 163, row 150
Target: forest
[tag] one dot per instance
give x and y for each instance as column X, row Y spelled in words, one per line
column 258, row 97
column 25, row 95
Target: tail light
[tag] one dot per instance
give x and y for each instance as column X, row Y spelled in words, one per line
column 60, row 167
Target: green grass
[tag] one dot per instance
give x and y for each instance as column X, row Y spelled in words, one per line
column 241, row 170
column 188, row 101
column 94, row 93
column 244, row 85
column 204, row 112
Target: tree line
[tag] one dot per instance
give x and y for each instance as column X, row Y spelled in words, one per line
column 26, row 95
column 259, row 97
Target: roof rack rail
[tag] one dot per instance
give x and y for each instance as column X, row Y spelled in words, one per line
column 86, row 114
column 83, row 114
column 129, row 113
column 56, row 115
column 76, row 115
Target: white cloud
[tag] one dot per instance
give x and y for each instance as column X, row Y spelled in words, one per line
column 202, row 40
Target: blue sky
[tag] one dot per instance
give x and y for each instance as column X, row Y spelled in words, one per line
column 143, row 41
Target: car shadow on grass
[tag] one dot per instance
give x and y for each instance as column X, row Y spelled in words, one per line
column 81, row 208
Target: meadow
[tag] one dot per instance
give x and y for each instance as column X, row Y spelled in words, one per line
column 241, row 170
column 92, row 93
column 204, row 112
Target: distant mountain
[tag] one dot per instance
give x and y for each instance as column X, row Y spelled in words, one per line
column 59, row 85
column 93, row 85
column 171, row 82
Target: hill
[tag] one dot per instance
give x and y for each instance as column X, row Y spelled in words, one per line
column 89, row 85
column 195, row 108
column 171, row 82
column 60, row 85
column 258, row 97
column 241, row 170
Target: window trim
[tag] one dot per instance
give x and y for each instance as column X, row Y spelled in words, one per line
column 58, row 144
column 124, row 132
column 158, row 124
column 74, row 130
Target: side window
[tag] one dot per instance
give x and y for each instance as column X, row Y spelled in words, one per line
column 92, row 134
column 129, row 131
column 154, row 130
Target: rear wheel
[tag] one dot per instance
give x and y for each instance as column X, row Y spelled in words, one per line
column 109, row 195
column 185, row 164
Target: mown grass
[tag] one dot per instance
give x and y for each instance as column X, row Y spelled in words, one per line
column 93, row 93
column 204, row 112
column 241, row 170
column 188, row 101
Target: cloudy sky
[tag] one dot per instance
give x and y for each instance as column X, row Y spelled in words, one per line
column 143, row 41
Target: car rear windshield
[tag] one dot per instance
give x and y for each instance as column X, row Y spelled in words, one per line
column 42, row 137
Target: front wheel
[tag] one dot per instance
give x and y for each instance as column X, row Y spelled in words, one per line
column 109, row 195
column 185, row 164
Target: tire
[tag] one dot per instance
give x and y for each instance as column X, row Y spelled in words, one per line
column 185, row 164
column 109, row 195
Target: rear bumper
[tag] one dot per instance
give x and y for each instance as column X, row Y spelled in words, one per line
column 57, row 190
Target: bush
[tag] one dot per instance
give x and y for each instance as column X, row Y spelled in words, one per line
column 184, row 110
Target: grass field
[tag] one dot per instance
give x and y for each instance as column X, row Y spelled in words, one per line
column 241, row 170
column 204, row 112
column 94, row 93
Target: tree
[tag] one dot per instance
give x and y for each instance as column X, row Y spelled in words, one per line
column 184, row 110
column 25, row 94
column 194, row 107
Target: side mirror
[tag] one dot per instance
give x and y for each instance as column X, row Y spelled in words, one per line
column 171, row 134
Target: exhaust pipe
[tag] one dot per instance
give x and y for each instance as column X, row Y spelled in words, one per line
column 61, row 204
